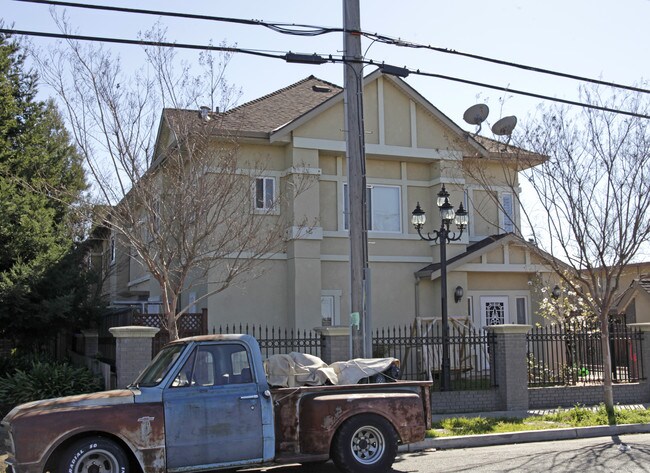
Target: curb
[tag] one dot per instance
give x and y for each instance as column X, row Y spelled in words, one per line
column 487, row 440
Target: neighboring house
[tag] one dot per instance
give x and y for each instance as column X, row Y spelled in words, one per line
column 412, row 150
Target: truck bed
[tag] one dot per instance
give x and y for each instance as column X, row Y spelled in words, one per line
column 307, row 417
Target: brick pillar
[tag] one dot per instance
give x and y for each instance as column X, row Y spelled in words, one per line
column 510, row 364
column 91, row 342
column 132, row 351
column 645, row 362
column 335, row 343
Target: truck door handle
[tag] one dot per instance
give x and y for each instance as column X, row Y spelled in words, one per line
column 254, row 396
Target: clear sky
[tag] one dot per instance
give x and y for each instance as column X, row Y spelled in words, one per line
column 593, row 38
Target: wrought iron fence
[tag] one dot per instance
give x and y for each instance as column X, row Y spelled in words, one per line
column 419, row 349
column 571, row 354
column 275, row 341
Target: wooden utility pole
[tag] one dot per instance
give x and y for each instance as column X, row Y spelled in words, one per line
column 360, row 336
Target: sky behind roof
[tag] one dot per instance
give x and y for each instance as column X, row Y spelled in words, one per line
column 593, row 38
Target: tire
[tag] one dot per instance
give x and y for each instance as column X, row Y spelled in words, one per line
column 94, row 455
column 365, row 444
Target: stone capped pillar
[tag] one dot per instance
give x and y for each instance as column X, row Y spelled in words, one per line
column 509, row 358
column 335, row 343
column 132, row 351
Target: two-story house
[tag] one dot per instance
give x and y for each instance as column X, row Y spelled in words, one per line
column 412, row 150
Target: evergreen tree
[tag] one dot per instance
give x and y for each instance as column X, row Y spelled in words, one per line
column 41, row 181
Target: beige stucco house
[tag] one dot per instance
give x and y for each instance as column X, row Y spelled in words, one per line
column 412, row 150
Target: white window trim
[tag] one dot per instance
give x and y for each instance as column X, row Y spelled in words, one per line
column 274, row 210
column 336, row 294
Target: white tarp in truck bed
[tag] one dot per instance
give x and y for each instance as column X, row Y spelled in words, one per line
column 301, row 369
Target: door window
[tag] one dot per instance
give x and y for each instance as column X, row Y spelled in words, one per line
column 494, row 310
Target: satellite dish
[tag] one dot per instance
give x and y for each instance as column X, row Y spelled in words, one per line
column 505, row 126
column 476, row 114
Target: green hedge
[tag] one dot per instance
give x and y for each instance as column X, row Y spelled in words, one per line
column 45, row 380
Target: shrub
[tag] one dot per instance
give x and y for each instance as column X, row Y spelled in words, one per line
column 44, row 380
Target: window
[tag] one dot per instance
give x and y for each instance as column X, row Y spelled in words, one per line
column 264, row 193
column 494, row 310
column 215, row 365
column 508, row 213
column 112, row 250
column 521, row 310
column 384, row 208
column 330, row 307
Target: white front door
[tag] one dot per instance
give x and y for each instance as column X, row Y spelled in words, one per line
column 494, row 310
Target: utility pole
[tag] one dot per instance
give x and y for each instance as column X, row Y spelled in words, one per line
column 360, row 336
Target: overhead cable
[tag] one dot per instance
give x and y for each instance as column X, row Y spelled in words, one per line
column 313, row 30
column 313, row 59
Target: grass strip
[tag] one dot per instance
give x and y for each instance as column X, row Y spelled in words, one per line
column 578, row 416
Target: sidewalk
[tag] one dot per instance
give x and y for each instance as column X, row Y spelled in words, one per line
column 487, row 440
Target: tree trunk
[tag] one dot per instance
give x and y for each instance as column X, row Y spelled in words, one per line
column 172, row 327
column 608, row 391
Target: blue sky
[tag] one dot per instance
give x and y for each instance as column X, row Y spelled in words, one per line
column 594, row 38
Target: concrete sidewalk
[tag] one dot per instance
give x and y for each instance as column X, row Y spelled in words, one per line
column 486, row 440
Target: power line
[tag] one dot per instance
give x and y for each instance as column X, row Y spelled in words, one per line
column 143, row 42
column 312, row 30
column 285, row 28
column 408, row 44
column 313, row 59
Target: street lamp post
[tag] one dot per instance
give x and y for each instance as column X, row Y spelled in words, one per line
column 448, row 215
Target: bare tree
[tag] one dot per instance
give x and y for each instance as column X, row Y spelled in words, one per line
column 592, row 215
column 173, row 187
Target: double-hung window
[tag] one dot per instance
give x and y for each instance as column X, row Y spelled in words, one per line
column 264, row 193
column 383, row 207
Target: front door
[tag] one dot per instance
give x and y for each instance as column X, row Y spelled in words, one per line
column 213, row 410
column 494, row 310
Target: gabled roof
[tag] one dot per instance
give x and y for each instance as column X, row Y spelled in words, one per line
column 277, row 114
column 638, row 285
column 472, row 251
column 260, row 117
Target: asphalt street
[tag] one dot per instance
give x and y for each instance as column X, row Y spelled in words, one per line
column 621, row 454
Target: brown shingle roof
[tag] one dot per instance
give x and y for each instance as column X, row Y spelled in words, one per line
column 266, row 114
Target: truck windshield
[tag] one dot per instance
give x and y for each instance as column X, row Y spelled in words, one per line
column 156, row 371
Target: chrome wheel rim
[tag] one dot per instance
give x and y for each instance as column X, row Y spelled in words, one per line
column 368, row 445
column 97, row 461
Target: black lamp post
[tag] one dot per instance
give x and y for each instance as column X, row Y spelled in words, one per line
column 444, row 236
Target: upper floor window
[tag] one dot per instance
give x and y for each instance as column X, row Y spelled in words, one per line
column 264, row 193
column 384, row 208
column 112, row 250
column 508, row 212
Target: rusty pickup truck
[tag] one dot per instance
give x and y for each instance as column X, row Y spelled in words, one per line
column 204, row 403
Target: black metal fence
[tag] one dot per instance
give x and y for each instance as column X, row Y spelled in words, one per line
column 566, row 355
column 419, row 349
column 275, row 341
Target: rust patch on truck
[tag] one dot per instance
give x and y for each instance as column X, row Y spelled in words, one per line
column 140, row 426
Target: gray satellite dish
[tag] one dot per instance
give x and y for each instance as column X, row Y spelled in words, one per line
column 505, row 126
column 476, row 114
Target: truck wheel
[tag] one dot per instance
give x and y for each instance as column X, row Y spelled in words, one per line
column 95, row 455
column 365, row 444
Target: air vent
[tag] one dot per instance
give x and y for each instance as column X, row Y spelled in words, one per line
column 320, row 88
